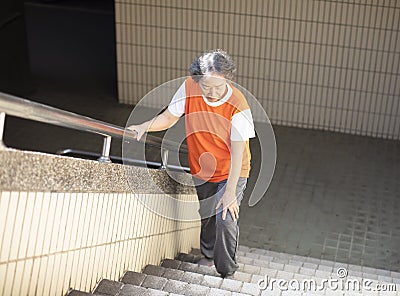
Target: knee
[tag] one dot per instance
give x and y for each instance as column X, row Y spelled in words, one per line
column 228, row 222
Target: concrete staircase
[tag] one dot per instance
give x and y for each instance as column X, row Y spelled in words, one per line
column 181, row 276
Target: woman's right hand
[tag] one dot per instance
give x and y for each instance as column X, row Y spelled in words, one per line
column 161, row 122
column 138, row 129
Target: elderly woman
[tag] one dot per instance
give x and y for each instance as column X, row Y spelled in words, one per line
column 218, row 126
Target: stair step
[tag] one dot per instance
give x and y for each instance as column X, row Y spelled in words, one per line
column 78, row 293
column 114, row 288
column 247, row 282
column 177, row 268
column 131, row 290
column 245, row 273
column 213, row 280
column 107, row 287
column 240, row 283
column 189, row 257
column 188, row 283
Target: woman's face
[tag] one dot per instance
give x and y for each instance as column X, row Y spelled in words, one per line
column 213, row 86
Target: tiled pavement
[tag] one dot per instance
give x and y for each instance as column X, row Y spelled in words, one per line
column 286, row 275
column 333, row 196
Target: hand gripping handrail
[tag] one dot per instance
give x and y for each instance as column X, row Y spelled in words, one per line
column 19, row 107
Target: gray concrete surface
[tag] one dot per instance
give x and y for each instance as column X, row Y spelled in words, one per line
column 34, row 171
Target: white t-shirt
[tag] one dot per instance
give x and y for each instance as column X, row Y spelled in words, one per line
column 242, row 122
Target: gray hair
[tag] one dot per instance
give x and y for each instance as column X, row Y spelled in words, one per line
column 213, row 61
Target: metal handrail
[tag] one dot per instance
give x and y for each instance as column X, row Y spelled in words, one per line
column 15, row 106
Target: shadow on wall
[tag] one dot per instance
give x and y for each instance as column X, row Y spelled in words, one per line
column 65, row 43
column 15, row 75
column 72, row 44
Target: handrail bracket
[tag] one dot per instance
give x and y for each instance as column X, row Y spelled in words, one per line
column 105, row 155
column 164, row 158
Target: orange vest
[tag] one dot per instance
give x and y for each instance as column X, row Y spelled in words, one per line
column 208, row 130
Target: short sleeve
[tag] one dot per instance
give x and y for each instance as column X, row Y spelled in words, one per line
column 242, row 126
column 178, row 102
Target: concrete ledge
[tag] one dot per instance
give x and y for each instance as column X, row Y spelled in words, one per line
column 34, row 171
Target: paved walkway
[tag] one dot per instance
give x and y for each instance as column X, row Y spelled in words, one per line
column 333, row 196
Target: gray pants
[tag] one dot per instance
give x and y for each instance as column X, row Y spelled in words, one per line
column 218, row 238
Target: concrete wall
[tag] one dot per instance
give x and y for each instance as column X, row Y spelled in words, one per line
column 330, row 65
column 79, row 222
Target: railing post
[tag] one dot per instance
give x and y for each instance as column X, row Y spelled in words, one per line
column 105, row 155
column 2, row 120
column 164, row 158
